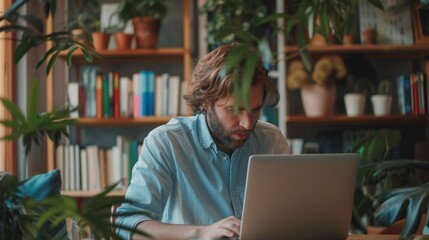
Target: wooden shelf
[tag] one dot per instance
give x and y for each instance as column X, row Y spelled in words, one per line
column 358, row 121
column 86, row 194
column 138, row 55
column 417, row 49
column 102, row 122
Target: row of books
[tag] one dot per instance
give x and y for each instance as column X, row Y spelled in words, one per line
column 92, row 168
column 108, row 95
column 412, row 94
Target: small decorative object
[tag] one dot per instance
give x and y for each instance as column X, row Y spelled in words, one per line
column 348, row 39
column 382, row 101
column 355, row 104
column 369, row 35
column 146, row 16
column 100, row 40
column 355, row 100
column 318, row 94
column 123, row 40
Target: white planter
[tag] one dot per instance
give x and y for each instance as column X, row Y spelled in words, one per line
column 355, row 104
column 381, row 104
column 318, row 100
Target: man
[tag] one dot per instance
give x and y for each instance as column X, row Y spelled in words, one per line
column 191, row 173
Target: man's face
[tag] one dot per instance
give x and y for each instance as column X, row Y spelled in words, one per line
column 230, row 129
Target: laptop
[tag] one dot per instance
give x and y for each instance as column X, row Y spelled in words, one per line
column 308, row 196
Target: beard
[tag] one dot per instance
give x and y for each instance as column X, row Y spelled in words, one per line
column 222, row 136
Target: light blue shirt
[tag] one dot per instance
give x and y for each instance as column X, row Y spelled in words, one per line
column 182, row 178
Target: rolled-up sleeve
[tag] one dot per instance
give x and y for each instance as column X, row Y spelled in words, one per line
column 151, row 184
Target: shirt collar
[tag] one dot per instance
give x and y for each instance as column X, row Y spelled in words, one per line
column 204, row 136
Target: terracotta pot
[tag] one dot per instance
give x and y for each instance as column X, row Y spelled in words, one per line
column 349, row 39
column 100, row 40
column 146, row 30
column 123, row 41
column 318, row 100
column 369, row 36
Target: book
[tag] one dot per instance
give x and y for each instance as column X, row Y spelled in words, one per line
column 115, row 94
column 173, row 95
column 114, row 167
column 159, row 96
column 99, row 96
column 106, row 96
column 84, row 170
column 92, row 93
column 150, row 98
column 124, row 96
column 404, row 94
column 94, row 180
column 144, row 91
column 73, row 97
column 137, row 97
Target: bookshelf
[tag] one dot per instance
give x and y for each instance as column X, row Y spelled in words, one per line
column 389, row 61
column 177, row 56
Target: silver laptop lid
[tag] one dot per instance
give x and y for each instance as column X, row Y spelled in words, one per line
column 307, row 196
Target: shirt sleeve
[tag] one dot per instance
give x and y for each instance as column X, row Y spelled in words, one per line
column 151, row 184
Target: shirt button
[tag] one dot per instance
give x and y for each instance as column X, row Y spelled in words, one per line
column 225, row 158
column 234, row 193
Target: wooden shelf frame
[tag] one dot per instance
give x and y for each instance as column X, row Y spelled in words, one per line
column 175, row 54
column 395, row 119
column 417, row 49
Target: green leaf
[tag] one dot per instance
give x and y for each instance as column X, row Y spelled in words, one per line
column 70, row 55
column 34, row 21
column 21, row 50
column 51, row 62
column 33, row 105
column 405, row 203
column 13, row 109
column 45, row 56
column 380, row 142
column 249, row 71
column 377, row 4
column 234, row 59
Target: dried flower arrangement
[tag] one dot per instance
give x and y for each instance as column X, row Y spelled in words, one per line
column 325, row 71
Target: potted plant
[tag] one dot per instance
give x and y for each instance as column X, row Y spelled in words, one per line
column 318, row 90
column 117, row 27
column 240, row 14
column 355, row 99
column 85, row 24
column 382, row 100
column 146, row 16
column 33, row 208
column 385, row 187
column 330, row 14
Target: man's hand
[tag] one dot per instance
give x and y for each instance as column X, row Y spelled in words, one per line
column 227, row 227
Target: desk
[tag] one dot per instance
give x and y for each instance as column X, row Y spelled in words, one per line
column 380, row 237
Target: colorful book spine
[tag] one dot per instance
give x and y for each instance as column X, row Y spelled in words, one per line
column 115, row 94
column 150, row 101
column 137, row 98
column 99, row 95
column 144, row 86
column 404, row 94
column 106, row 99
